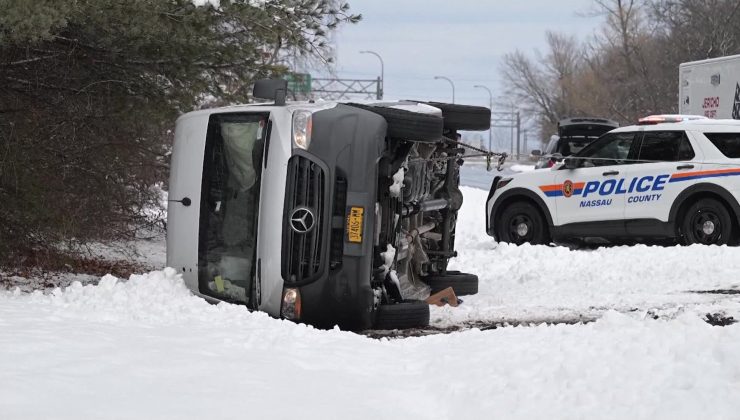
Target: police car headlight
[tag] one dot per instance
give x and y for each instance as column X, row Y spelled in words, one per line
column 503, row 182
column 302, row 125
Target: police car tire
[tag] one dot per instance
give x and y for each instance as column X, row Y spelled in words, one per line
column 706, row 209
column 462, row 283
column 402, row 315
column 464, row 117
column 407, row 125
column 524, row 211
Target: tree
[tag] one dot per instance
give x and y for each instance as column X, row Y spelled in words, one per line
column 629, row 69
column 89, row 90
column 545, row 87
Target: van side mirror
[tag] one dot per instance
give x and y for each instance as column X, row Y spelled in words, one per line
column 274, row 89
column 536, row 152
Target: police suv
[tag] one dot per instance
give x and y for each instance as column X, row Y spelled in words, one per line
column 678, row 178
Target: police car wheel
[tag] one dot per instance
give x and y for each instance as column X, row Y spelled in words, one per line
column 521, row 222
column 707, row 222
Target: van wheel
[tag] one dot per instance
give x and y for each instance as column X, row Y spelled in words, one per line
column 706, row 222
column 462, row 283
column 406, row 314
column 464, row 117
column 521, row 222
column 407, row 125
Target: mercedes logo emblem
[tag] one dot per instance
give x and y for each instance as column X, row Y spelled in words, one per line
column 302, row 220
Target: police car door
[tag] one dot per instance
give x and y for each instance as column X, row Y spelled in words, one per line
column 591, row 191
column 650, row 191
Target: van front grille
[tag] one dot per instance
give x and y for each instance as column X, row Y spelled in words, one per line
column 304, row 243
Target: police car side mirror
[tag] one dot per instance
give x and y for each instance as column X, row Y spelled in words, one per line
column 570, row 163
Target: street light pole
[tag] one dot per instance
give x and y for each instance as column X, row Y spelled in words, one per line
column 381, row 87
column 451, row 84
column 490, row 106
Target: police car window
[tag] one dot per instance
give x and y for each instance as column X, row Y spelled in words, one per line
column 685, row 151
column 727, row 143
column 665, row 146
column 611, row 149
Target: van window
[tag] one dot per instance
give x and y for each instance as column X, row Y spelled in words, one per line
column 727, row 143
column 230, row 193
column 665, row 146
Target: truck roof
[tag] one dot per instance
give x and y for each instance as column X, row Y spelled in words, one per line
column 710, row 61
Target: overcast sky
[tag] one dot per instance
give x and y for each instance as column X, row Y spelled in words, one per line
column 460, row 39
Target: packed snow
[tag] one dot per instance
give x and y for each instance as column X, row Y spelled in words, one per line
column 147, row 348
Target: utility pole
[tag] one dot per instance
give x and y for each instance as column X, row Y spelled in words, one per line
column 511, row 133
column 526, row 143
column 451, row 84
column 490, row 106
column 381, row 80
column 518, row 134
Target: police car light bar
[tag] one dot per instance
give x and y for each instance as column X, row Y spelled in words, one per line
column 658, row 119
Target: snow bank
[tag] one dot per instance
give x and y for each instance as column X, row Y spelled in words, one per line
column 146, row 348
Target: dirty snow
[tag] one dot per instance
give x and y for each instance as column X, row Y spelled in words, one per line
column 147, row 348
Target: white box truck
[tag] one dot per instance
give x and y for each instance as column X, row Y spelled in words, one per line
column 710, row 88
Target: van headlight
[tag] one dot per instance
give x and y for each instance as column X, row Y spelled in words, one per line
column 291, row 304
column 302, row 125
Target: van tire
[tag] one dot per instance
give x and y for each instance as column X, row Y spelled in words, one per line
column 407, row 125
column 462, row 283
column 464, row 117
column 403, row 315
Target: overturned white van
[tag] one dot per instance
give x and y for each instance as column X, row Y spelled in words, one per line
column 326, row 213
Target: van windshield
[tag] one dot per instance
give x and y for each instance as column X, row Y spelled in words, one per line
column 229, row 205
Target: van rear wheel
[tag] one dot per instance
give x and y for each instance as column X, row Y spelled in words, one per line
column 462, row 283
column 402, row 315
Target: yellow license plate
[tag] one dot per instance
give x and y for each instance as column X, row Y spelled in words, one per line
column 354, row 224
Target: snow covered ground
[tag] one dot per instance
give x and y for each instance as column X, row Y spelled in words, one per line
column 540, row 283
column 147, row 348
